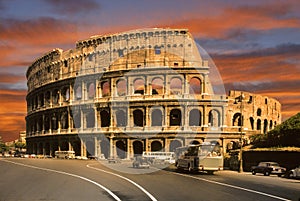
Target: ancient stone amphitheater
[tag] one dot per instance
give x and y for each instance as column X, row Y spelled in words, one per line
column 143, row 90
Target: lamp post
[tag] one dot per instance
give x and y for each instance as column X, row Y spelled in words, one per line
column 240, row 100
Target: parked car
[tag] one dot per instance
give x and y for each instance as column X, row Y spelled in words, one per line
column 294, row 173
column 140, row 162
column 268, row 168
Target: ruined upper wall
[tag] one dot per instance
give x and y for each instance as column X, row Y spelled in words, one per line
column 127, row 50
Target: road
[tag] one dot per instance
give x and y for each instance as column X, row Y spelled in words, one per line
column 70, row 180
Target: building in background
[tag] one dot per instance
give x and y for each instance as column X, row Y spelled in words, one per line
column 142, row 90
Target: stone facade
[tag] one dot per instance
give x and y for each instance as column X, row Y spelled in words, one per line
column 142, row 90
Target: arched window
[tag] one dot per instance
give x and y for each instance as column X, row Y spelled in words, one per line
column 121, row 118
column 138, row 118
column 55, row 96
column 105, row 87
column 91, row 90
column 156, row 118
column 175, row 117
column 139, row 86
column 195, row 118
column 157, row 86
column 252, row 123
column 121, row 87
column 90, row 119
column 78, row 93
column 77, row 120
column 236, row 120
column 105, row 118
column 66, row 94
column 214, row 118
column 176, row 86
column 64, row 121
column 258, row 112
column 271, row 124
column 156, row 146
column 265, row 126
column 195, row 86
column 258, row 124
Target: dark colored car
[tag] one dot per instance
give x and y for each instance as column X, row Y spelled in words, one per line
column 268, row 168
column 140, row 162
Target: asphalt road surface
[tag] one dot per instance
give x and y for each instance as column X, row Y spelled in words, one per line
column 71, row 180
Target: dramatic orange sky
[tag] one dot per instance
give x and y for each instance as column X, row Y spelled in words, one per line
column 254, row 44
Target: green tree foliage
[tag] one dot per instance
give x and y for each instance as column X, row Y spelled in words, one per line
column 285, row 134
column 3, row 147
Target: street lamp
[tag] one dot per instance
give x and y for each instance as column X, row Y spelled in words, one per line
column 240, row 100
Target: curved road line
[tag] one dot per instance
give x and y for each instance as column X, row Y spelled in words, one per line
column 232, row 186
column 137, row 185
column 69, row 174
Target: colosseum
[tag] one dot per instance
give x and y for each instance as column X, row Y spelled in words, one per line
column 142, row 90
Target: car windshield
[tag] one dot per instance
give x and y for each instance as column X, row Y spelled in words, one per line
column 274, row 164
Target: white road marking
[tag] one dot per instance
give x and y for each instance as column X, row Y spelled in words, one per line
column 122, row 177
column 69, row 174
column 232, row 186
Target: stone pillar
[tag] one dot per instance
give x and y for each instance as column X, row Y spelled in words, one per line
column 111, row 147
column 128, row 148
column 96, row 146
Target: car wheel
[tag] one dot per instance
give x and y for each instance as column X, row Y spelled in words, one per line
column 279, row 175
column 253, row 172
column 266, row 173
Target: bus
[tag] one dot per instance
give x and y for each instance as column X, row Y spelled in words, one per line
column 65, row 154
column 202, row 157
column 162, row 156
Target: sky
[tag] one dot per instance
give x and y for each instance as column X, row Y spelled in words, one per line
column 254, row 44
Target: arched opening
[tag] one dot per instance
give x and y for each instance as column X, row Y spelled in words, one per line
column 105, row 118
column 77, row 147
column 47, row 98
column 175, row 144
column 90, row 148
column 54, row 122
column 195, row 118
column 55, row 97
column 258, row 112
column 214, row 118
column 105, row 147
column 77, row 120
column 91, row 90
column 64, row 121
column 66, row 94
column 139, row 86
column 121, row 149
column 258, row 126
column 47, row 149
column 40, row 148
column 156, row 146
column 78, row 92
column 121, row 118
column 137, row 147
column 157, row 86
column 41, row 100
column 271, row 124
column 265, row 126
column 175, row 117
column 121, row 87
column 138, row 118
column 156, row 118
column 195, row 142
column 252, row 123
column 236, row 120
column 105, row 87
column 195, row 85
column 90, row 119
column 64, row 146
column 176, row 86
